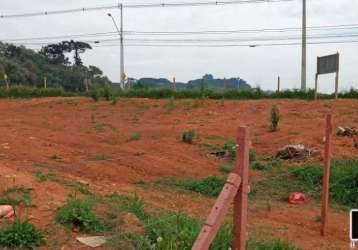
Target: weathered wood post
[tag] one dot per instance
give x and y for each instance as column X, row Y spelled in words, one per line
column 278, row 84
column 174, row 84
column 241, row 198
column 337, row 77
column 45, row 82
column 326, row 174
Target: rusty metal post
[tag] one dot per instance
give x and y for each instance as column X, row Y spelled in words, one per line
column 326, row 174
column 241, row 198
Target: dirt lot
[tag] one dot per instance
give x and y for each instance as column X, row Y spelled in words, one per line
column 139, row 140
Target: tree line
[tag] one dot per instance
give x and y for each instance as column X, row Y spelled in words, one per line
column 22, row 66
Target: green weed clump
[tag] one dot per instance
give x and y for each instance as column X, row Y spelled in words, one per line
column 135, row 136
column 78, row 213
column 177, row 232
column 16, row 195
column 210, row 186
column 343, row 180
column 21, row 235
column 188, row 136
column 275, row 117
column 270, row 245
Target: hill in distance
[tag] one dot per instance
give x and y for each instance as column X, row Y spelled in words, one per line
column 207, row 81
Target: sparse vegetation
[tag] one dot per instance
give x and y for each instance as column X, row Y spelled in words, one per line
column 78, row 214
column 344, row 180
column 21, row 235
column 169, row 106
column 210, row 186
column 275, row 117
column 135, row 136
column 188, row 136
column 16, row 195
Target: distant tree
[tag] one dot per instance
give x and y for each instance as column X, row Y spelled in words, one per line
column 54, row 53
column 78, row 48
column 94, row 71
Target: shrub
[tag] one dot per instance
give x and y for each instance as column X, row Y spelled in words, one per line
column 252, row 155
column 78, row 214
column 94, row 94
column 275, row 117
column 188, row 136
column 22, row 235
column 258, row 166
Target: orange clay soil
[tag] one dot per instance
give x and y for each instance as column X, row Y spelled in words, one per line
column 140, row 141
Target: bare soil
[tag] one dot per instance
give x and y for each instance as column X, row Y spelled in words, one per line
column 93, row 142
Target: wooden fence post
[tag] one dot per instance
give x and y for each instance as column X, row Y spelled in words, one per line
column 240, row 200
column 326, row 174
column 45, row 82
column 278, row 84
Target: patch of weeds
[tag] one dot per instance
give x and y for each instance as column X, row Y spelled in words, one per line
column 252, row 155
column 99, row 157
column 230, row 148
column 114, row 100
column 226, row 167
column 55, row 157
column 41, row 177
column 258, row 165
column 16, row 195
column 21, row 235
column 210, row 186
column 133, row 205
column 76, row 186
column 169, row 106
column 78, row 214
column 270, row 245
column 188, row 136
column 135, row 136
column 177, row 232
column 344, row 180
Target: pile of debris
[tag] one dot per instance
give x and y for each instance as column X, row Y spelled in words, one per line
column 346, row 131
column 296, row 152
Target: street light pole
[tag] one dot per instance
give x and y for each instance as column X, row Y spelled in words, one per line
column 120, row 32
column 304, row 47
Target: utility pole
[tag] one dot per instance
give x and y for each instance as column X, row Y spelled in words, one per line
column 122, row 49
column 278, row 84
column 304, row 47
column 120, row 32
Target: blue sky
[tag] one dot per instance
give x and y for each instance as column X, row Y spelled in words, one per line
column 260, row 66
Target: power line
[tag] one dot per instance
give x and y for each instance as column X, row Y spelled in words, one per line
column 208, row 40
column 228, row 45
column 201, row 32
column 136, row 6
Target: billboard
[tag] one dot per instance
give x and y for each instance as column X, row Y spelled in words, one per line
column 328, row 64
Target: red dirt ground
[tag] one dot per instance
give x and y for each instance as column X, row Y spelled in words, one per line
column 76, row 129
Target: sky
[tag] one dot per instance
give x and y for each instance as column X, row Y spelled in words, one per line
column 259, row 66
